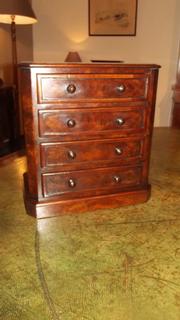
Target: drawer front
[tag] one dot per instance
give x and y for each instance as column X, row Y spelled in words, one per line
column 58, row 88
column 58, row 154
column 94, row 182
column 66, row 122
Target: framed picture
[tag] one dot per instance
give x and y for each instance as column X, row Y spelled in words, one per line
column 112, row 17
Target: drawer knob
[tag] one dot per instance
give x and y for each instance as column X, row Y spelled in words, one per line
column 71, row 154
column 71, row 123
column 71, row 183
column 120, row 121
column 121, row 88
column 118, row 150
column 71, row 88
column 117, row 179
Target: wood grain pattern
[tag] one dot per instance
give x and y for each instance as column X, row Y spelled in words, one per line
column 55, row 88
column 56, row 154
column 88, row 131
column 55, row 122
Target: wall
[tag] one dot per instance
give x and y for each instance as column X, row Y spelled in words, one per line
column 24, row 48
column 5, row 52
column 63, row 26
column 24, row 53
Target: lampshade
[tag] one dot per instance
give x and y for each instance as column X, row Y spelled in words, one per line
column 20, row 10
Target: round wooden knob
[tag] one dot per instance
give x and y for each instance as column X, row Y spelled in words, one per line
column 71, row 88
column 71, row 154
column 121, row 88
column 117, row 179
column 71, row 183
column 120, row 121
column 118, row 150
column 71, row 123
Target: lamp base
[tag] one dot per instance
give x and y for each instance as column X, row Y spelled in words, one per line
column 73, row 56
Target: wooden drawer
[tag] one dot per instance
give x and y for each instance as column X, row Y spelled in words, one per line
column 54, row 88
column 94, row 182
column 68, row 122
column 89, row 152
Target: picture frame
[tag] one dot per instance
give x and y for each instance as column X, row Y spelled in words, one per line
column 112, row 17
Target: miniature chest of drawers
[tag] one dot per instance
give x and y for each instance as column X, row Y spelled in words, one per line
column 88, row 131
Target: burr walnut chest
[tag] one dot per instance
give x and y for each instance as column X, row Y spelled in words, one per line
column 88, row 130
